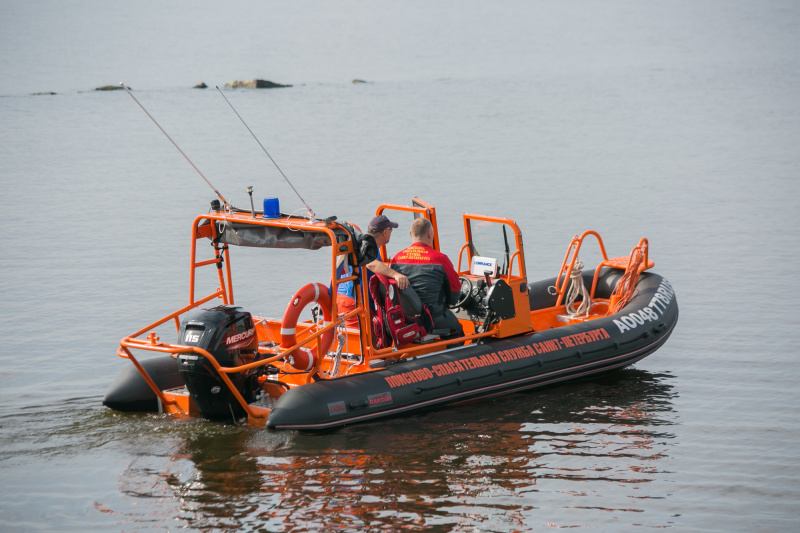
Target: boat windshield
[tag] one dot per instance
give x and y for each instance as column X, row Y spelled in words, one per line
column 494, row 240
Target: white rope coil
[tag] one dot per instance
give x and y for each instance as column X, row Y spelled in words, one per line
column 577, row 289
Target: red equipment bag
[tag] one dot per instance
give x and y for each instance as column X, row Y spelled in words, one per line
column 400, row 318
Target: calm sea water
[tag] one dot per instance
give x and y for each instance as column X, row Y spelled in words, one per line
column 677, row 120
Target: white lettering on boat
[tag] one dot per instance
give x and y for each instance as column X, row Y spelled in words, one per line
column 658, row 304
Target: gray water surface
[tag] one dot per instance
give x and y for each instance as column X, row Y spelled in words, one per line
column 676, row 120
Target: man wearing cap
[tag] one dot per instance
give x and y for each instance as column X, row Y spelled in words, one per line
column 380, row 227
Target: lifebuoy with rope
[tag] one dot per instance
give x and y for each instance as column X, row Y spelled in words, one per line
column 303, row 358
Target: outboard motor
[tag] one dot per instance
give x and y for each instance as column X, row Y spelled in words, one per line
column 227, row 333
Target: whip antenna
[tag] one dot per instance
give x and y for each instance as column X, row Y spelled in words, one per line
column 176, row 146
column 310, row 212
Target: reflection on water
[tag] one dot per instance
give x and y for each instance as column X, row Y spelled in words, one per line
column 576, row 455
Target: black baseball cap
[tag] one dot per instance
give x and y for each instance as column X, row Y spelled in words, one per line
column 381, row 222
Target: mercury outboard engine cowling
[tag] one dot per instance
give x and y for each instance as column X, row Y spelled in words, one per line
column 228, row 334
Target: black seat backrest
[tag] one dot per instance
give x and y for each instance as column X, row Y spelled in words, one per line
column 410, row 302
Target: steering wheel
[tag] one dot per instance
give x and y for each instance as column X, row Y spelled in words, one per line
column 466, row 291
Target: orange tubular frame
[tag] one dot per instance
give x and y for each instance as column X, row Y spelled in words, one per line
column 519, row 254
column 521, row 323
column 225, row 293
column 152, row 344
column 207, row 227
column 562, row 280
column 632, row 268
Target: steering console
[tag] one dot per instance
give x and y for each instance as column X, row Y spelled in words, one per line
column 470, row 304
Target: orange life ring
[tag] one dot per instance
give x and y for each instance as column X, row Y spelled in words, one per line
column 303, row 358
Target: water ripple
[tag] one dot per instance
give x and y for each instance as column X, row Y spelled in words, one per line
column 515, row 463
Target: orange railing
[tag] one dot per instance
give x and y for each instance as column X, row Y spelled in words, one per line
column 153, row 344
column 633, row 265
column 568, row 265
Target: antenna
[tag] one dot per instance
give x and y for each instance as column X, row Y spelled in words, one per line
column 310, row 212
column 224, row 201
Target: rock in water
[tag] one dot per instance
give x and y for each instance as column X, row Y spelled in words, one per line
column 253, row 84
